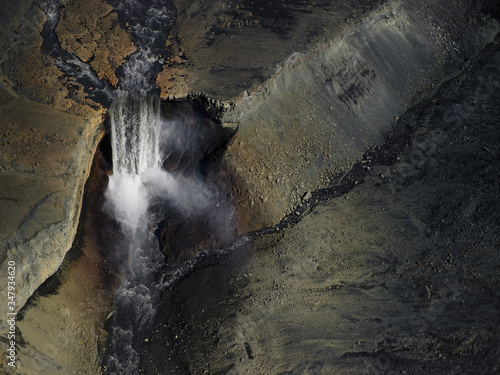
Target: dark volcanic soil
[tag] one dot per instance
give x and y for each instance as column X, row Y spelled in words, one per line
column 398, row 276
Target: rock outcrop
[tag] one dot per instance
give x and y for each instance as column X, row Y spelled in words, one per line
column 89, row 29
column 30, row 72
column 46, row 158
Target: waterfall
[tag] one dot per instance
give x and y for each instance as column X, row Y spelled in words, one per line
column 135, row 128
column 135, row 143
column 139, row 190
column 134, row 134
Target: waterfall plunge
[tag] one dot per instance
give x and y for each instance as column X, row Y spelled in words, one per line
column 135, row 134
column 138, row 179
column 135, row 141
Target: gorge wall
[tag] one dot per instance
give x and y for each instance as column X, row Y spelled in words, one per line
column 49, row 132
column 396, row 274
column 41, row 187
column 333, row 98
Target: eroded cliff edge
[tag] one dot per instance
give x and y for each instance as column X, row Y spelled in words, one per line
column 46, row 159
column 324, row 90
column 49, row 133
column 397, row 275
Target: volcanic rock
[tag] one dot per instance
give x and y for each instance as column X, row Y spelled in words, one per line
column 332, row 99
column 89, row 29
column 30, row 72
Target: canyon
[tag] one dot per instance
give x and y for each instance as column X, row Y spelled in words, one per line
column 356, row 142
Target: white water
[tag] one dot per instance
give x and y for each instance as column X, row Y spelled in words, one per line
column 138, row 181
column 137, row 133
column 134, row 133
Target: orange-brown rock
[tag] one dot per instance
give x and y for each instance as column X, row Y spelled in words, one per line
column 30, row 72
column 89, row 29
column 174, row 80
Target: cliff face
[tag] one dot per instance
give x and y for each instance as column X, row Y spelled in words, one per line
column 326, row 106
column 45, row 161
column 228, row 47
column 311, row 97
column 398, row 275
column 50, row 135
column 49, row 132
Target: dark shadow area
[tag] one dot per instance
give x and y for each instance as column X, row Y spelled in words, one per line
column 491, row 7
column 193, row 314
column 192, row 144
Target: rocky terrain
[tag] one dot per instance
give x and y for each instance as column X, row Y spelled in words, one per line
column 323, row 109
column 29, row 71
column 90, row 30
column 42, row 186
column 358, row 67
column 395, row 276
column 61, row 326
column 50, row 132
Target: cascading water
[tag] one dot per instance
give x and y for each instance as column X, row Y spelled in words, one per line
column 135, row 141
column 138, row 182
column 134, row 114
column 138, row 191
column 134, row 131
column 137, row 179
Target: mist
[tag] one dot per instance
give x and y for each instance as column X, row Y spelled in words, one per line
column 156, row 175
